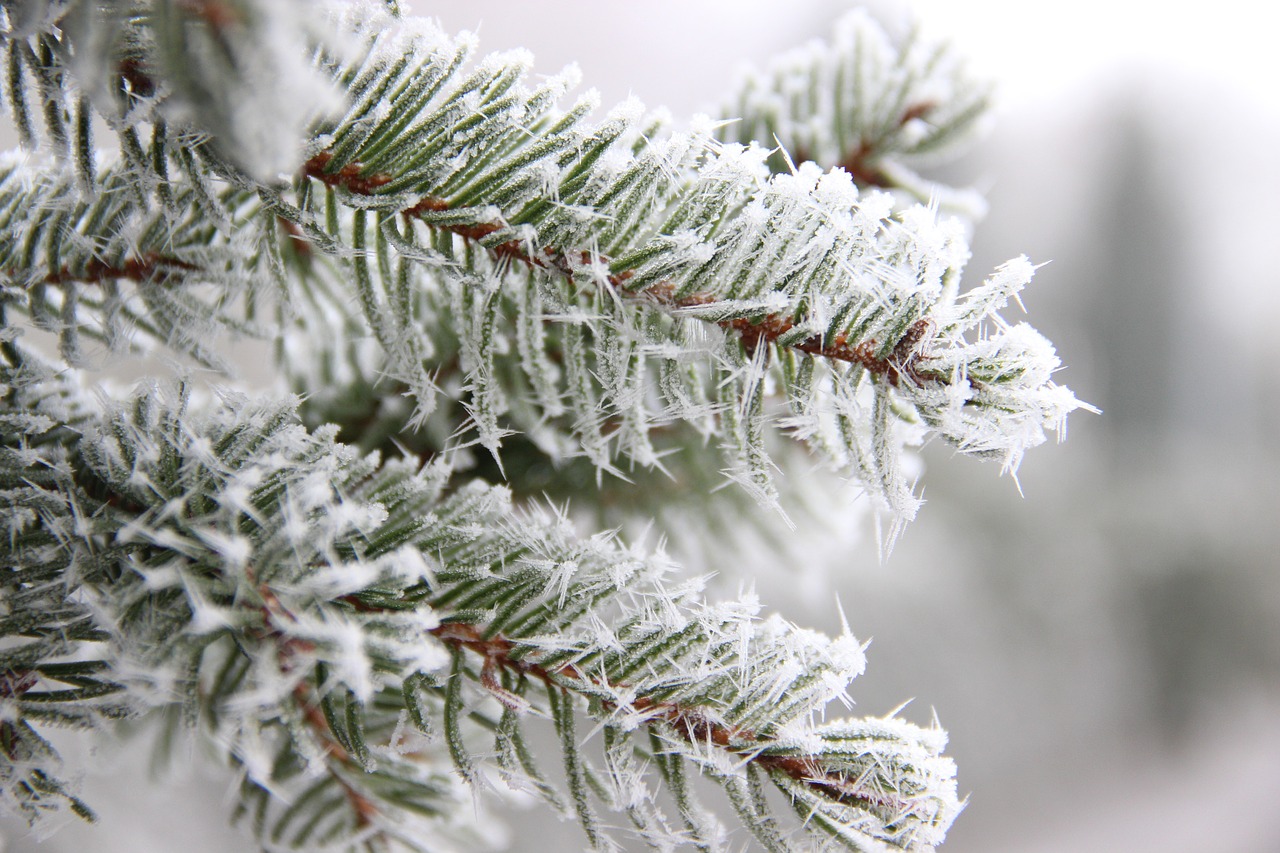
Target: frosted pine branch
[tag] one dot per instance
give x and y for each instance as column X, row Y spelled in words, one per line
column 876, row 106
column 629, row 234
column 446, row 252
column 646, row 220
column 124, row 268
column 279, row 584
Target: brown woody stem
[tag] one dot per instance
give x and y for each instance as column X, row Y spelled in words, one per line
column 14, row 683
column 902, row 360
column 289, row 647
column 152, row 265
column 691, row 723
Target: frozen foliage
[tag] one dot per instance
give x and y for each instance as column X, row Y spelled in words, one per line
column 331, row 591
column 44, row 625
column 636, row 240
column 310, row 609
column 808, row 279
column 110, row 267
column 241, row 76
column 875, row 106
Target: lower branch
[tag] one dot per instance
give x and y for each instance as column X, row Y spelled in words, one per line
column 691, row 723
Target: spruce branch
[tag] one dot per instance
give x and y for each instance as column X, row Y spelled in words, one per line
column 453, row 256
column 307, row 592
column 796, row 263
column 877, row 106
column 630, row 232
column 755, row 331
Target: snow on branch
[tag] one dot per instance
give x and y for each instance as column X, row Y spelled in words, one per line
column 284, row 585
column 677, row 279
column 871, row 104
column 626, row 219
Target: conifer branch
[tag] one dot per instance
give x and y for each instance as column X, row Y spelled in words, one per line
column 446, row 253
column 754, row 332
column 384, row 556
column 819, row 290
column 869, row 103
column 632, row 218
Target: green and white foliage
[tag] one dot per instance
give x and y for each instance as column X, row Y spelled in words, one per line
column 120, row 268
column 683, row 279
column 587, row 283
column 342, row 629
column 205, row 68
column 876, row 106
column 480, row 292
column 52, row 669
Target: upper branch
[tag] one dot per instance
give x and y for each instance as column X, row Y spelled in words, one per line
column 903, row 360
column 804, row 263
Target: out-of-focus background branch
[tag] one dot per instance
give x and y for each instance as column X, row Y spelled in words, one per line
column 1106, row 650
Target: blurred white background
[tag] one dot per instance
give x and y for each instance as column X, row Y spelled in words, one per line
column 1105, row 651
